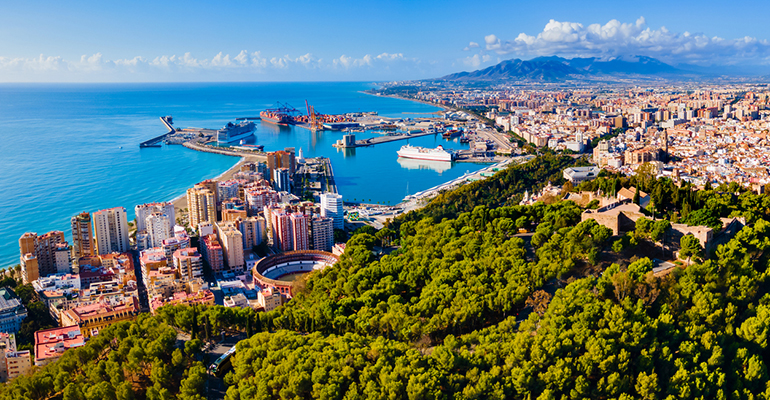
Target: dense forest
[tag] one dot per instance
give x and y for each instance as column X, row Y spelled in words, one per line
column 468, row 307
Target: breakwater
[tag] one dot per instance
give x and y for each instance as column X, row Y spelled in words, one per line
column 254, row 155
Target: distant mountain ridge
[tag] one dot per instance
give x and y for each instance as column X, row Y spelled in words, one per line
column 558, row 69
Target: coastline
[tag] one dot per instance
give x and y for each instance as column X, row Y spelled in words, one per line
column 180, row 202
column 395, row 96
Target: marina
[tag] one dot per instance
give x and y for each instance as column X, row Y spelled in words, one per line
column 156, row 141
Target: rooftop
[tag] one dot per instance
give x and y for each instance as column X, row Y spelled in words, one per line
column 50, row 343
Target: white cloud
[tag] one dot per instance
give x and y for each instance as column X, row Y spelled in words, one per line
column 473, row 61
column 471, row 45
column 616, row 38
column 40, row 63
column 369, row 60
column 241, row 64
column 242, row 58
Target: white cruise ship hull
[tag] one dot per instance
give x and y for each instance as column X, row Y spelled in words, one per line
column 418, row 153
column 230, row 139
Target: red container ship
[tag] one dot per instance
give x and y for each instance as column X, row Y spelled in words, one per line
column 284, row 115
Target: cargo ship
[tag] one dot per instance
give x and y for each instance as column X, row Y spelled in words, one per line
column 451, row 134
column 276, row 118
column 235, row 132
column 421, row 153
column 284, row 115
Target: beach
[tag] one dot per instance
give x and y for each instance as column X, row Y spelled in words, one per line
column 180, row 202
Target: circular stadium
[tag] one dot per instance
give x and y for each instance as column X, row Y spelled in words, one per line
column 270, row 271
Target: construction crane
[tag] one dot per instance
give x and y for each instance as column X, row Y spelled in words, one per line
column 315, row 123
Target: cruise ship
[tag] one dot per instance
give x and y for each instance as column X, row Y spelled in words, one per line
column 235, row 132
column 421, row 153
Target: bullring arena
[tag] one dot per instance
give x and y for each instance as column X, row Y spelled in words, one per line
column 269, row 270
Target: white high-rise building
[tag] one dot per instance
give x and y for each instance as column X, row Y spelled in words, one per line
column 62, row 256
column 158, row 228
column 228, row 189
column 111, row 230
column 143, row 211
column 331, row 207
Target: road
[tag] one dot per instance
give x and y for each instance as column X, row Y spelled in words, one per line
column 144, row 301
column 216, row 386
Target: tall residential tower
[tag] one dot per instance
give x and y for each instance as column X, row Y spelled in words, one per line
column 111, row 228
column 82, row 236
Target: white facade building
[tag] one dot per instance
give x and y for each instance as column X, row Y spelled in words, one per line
column 158, row 228
column 111, row 230
column 331, row 207
column 143, row 211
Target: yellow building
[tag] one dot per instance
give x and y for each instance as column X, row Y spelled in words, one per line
column 17, row 363
column 232, row 244
column 27, row 243
column 94, row 317
column 232, row 215
column 202, row 205
column 29, row 269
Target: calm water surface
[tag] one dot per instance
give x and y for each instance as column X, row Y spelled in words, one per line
column 68, row 148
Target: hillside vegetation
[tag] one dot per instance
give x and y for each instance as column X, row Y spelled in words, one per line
column 467, row 308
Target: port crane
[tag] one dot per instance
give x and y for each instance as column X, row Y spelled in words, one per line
column 284, row 108
column 313, row 118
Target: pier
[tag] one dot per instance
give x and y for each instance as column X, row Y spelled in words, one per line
column 155, row 142
column 331, row 186
column 227, row 151
column 390, row 138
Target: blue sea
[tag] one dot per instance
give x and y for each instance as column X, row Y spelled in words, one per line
column 68, row 148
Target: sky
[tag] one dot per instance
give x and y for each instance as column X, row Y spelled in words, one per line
column 234, row 40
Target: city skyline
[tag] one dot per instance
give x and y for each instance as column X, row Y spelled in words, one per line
column 344, row 41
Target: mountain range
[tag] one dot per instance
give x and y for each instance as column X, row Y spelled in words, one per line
column 553, row 69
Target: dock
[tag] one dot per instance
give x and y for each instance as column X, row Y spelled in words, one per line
column 331, row 186
column 390, row 138
column 155, row 142
column 227, row 151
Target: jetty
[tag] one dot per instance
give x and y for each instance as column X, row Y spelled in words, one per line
column 227, row 151
column 156, row 141
column 331, row 185
column 389, row 138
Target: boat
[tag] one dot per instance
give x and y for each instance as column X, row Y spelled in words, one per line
column 437, row 166
column 422, row 153
column 284, row 115
column 464, row 139
column 275, row 118
column 451, row 134
column 235, row 132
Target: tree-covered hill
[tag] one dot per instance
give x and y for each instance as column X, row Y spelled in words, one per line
column 468, row 308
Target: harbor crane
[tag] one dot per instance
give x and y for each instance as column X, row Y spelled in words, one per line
column 313, row 118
